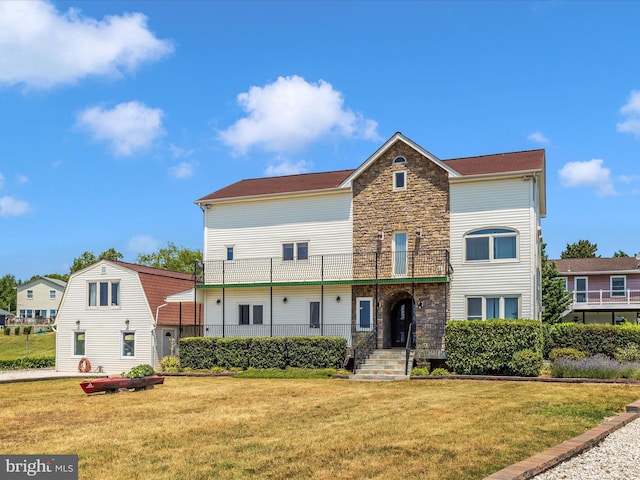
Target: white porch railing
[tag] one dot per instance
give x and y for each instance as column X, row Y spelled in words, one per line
column 605, row 297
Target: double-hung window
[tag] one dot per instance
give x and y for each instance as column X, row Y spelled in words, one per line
column 295, row 251
column 400, row 180
column 128, row 343
column 52, row 294
column 491, row 244
column 618, row 285
column 30, row 294
column 103, row 294
column 487, row 307
column 79, row 343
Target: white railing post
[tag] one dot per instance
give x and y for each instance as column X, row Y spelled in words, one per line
column 600, row 296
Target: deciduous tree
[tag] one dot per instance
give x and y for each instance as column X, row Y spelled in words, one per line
column 171, row 257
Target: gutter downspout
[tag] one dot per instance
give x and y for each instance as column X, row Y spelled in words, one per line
column 153, row 335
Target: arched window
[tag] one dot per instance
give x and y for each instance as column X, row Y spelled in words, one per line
column 491, row 244
column 399, row 160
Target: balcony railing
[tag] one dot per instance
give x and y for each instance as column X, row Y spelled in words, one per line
column 385, row 267
column 604, row 297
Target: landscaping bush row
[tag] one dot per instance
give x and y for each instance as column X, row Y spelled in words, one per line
column 205, row 353
column 591, row 339
column 28, row 362
column 494, row 347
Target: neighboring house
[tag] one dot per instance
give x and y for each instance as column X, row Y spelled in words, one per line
column 39, row 300
column 603, row 290
column 4, row 316
column 115, row 315
column 405, row 240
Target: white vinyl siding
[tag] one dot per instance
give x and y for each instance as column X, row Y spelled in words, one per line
column 104, row 327
column 259, row 228
column 296, row 311
column 508, row 204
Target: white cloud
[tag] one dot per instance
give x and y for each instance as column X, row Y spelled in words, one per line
column 22, row 179
column 142, row 244
column 291, row 113
column 128, row 127
column 182, row 170
column 10, row 207
column 179, row 152
column 631, row 110
column 537, row 137
column 629, row 178
column 42, row 47
column 286, row 167
column 1, row 181
column 587, row 174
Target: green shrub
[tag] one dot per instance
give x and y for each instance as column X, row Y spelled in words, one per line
column 16, row 330
column 27, row 330
column 140, row 371
column 477, row 347
column 566, row 352
column 630, row 353
column 28, row 362
column 440, row 372
column 198, row 353
column 316, row 352
column 597, row 366
column 233, row 352
column 593, row 338
column 419, row 372
column 526, row 363
column 7, row 330
column 268, row 352
column 170, row 364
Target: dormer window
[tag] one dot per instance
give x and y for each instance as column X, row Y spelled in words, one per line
column 400, row 180
column 399, row 160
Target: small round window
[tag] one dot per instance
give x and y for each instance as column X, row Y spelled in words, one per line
column 399, row 160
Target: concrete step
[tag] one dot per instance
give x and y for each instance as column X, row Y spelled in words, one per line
column 384, row 364
column 377, row 377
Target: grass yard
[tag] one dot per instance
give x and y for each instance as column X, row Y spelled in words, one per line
column 231, row 428
column 14, row 346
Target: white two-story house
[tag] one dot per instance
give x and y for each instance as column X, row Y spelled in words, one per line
column 389, row 250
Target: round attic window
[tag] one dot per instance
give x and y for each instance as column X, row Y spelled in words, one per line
column 399, row 160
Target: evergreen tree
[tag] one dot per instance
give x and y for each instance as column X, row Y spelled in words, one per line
column 580, row 249
column 620, row 253
column 555, row 298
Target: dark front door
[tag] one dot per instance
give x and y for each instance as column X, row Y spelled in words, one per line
column 401, row 316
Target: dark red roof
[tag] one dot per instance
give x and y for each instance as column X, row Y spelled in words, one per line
column 526, row 161
column 576, row 266
column 285, row 184
column 158, row 284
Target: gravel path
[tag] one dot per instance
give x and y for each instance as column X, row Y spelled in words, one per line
column 617, row 457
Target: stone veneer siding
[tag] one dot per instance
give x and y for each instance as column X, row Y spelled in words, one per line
column 424, row 204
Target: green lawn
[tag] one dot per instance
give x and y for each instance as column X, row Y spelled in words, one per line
column 321, row 429
column 14, row 346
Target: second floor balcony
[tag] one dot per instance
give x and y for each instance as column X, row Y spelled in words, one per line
column 342, row 268
column 604, row 298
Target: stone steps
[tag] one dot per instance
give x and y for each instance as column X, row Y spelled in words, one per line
column 384, row 365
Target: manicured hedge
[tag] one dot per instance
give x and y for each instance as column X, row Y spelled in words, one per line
column 478, row 347
column 592, row 338
column 28, row 362
column 316, row 352
column 198, row 353
column 205, row 353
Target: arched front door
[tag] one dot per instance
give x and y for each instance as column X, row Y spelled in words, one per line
column 401, row 317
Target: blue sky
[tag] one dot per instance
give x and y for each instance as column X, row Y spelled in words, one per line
column 116, row 116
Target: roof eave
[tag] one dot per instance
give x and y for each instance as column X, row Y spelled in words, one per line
column 267, row 196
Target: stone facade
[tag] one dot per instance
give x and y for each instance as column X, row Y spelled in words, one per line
column 422, row 207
